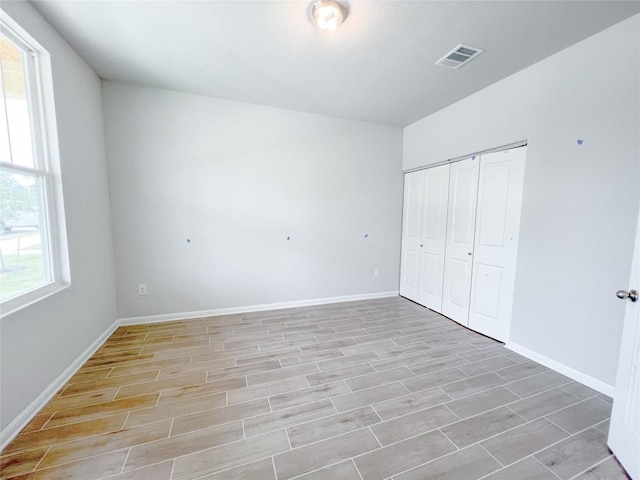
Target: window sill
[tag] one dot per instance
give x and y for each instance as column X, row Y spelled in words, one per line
column 26, row 299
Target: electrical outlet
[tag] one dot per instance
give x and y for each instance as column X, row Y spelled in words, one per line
column 376, row 272
column 142, row 289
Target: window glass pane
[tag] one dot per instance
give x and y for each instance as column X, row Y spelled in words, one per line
column 16, row 103
column 23, row 253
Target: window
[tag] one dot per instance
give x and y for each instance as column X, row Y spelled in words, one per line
column 31, row 225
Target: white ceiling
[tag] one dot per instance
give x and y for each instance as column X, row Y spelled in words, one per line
column 377, row 67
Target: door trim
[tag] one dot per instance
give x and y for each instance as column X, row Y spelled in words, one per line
column 510, row 146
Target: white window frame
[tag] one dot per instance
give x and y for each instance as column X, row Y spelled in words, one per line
column 46, row 167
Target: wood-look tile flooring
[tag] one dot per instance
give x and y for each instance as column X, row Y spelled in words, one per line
column 367, row 390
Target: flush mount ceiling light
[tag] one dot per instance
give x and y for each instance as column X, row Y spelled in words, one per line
column 328, row 14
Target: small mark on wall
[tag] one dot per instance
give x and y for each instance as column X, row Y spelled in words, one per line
column 288, row 238
column 188, row 240
column 580, row 141
column 366, row 235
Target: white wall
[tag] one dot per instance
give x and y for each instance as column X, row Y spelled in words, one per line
column 39, row 342
column 580, row 201
column 237, row 179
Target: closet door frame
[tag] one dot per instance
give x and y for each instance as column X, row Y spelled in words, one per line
column 466, row 291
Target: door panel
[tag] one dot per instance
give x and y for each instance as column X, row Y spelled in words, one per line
column 495, row 248
column 414, row 200
column 464, row 195
column 433, row 239
column 411, row 231
column 624, row 431
column 430, row 283
column 492, row 210
column 411, row 269
column 486, row 297
column 463, row 188
column 459, row 275
column 437, row 190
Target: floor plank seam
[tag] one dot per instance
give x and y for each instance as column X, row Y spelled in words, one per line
column 502, row 465
column 41, row 459
column 375, row 436
column 554, row 423
column 547, row 468
column 125, row 460
column 591, row 467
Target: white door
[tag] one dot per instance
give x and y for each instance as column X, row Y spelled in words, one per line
column 411, row 231
column 433, row 236
column 624, row 432
column 463, row 189
column 496, row 242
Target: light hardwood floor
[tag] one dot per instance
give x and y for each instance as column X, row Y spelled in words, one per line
column 367, row 390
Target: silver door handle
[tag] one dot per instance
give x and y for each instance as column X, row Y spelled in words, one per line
column 631, row 295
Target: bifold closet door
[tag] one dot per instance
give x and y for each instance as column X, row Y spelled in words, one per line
column 424, row 229
column 411, row 227
column 461, row 219
column 496, row 242
column 433, row 236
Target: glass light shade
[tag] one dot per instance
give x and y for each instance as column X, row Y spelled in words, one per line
column 328, row 14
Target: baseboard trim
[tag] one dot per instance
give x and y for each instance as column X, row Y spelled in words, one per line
column 10, row 432
column 573, row 374
column 252, row 308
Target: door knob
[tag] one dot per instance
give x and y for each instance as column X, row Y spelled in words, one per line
column 631, row 295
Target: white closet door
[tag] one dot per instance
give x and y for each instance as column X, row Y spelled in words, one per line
column 496, row 242
column 463, row 189
column 433, row 236
column 411, row 232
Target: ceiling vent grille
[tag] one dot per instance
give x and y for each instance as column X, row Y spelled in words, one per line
column 459, row 56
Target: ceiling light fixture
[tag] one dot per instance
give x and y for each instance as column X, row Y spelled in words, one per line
column 328, row 14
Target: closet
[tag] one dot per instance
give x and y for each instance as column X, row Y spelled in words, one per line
column 460, row 236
